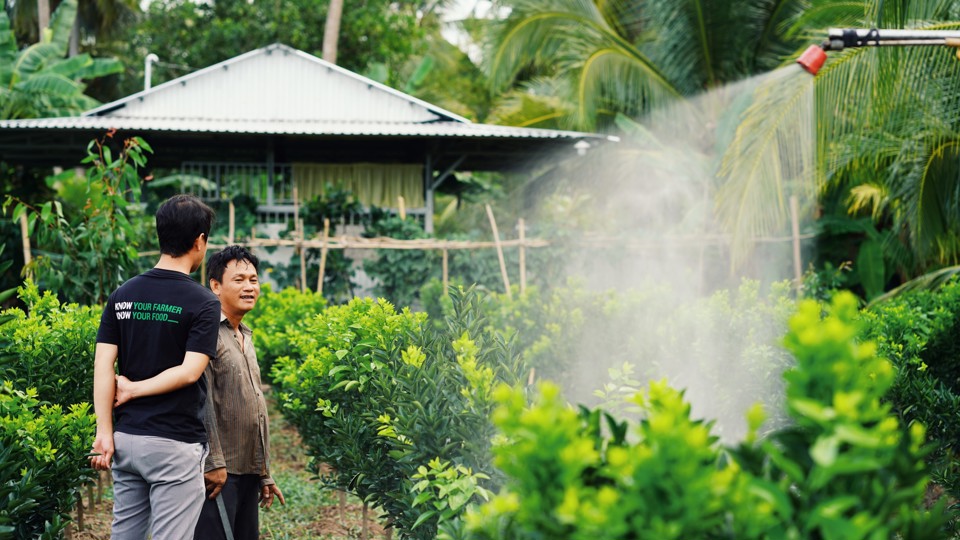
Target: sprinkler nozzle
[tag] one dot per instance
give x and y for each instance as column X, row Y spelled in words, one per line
column 812, row 59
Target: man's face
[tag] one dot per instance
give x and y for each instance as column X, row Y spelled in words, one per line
column 239, row 290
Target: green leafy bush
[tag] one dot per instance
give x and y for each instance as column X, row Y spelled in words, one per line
column 845, row 469
column 918, row 332
column 49, row 347
column 723, row 349
column 277, row 316
column 400, row 273
column 376, row 395
column 42, row 462
column 86, row 256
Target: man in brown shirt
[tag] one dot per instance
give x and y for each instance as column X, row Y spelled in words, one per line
column 237, row 469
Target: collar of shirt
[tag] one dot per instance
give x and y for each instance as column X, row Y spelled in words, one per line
column 244, row 329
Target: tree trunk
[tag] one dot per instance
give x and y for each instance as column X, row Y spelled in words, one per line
column 331, row 31
column 43, row 16
column 75, row 39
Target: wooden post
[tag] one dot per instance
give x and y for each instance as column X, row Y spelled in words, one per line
column 233, row 223
column 203, row 272
column 402, row 208
column 25, row 239
column 363, row 526
column 323, row 254
column 496, row 241
column 795, row 224
column 303, row 259
column 446, row 272
column 523, row 256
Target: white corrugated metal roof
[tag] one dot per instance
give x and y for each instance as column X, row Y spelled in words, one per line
column 296, row 127
column 279, row 90
column 275, row 83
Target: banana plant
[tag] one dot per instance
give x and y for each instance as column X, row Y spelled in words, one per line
column 39, row 80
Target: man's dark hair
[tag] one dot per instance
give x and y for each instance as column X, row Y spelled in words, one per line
column 218, row 261
column 180, row 220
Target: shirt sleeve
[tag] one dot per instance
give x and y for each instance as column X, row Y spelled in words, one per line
column 205, row 329
column 109, row 331
column 215, row 459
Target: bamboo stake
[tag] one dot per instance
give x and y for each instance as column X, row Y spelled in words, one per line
column 446, row 273
column 795, row 223
column 232, row 230
column 523, row 256
column 203, row 271
column 323, row 255
column 303, row 260
column 363, row 527
column 496, row 240
column 25, row 238
column 402, row 207
column 80, row 513
column 342, row 503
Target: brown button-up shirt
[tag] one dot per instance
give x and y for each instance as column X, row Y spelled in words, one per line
column 236, row 415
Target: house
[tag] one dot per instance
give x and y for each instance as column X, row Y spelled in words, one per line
column 276, row 117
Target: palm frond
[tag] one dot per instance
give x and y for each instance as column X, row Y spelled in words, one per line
column 771, row 157
column 927, row 282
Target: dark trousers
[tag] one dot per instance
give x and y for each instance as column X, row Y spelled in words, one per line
column 241, row 496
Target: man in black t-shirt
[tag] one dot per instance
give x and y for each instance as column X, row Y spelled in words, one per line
column 160, row 329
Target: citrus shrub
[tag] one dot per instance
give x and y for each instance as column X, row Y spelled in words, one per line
column 724, row 348
column 392, row 407
column 49, row 346
column 918, row 332
column 43, row 449
column 276, row 317
column 846, row 468
column 46, row 424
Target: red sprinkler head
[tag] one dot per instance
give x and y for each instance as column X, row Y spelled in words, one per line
column 812, row 59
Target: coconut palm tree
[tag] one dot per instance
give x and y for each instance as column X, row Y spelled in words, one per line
column 631, row 56
column 888, row 134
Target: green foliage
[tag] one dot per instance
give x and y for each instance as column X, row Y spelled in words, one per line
column 42, row 462
column 38, row 81
column 400, row 272
column 845, row 469
column 277, row 317
column 49, row 347
column 334, row 205
column 918, row 332
column 374, row 32
column 722, row 348
column 376, row 395
column 87, row 256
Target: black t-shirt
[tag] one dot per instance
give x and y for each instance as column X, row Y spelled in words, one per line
column 154, row 319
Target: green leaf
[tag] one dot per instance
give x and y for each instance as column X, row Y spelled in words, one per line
column 424, row 517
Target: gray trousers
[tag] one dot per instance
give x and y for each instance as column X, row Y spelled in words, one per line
column 156, row 480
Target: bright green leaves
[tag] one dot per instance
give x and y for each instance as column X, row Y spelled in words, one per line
column 844, row 469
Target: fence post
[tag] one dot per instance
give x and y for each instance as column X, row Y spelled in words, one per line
column 323, row 255
column 496, row 241
column 795, row 224
column 232, row 230
column 523, row 256
column 25, row 238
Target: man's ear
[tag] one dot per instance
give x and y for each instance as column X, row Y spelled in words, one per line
column 215, row 286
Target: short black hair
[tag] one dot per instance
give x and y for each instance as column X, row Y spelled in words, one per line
column 218, row 261
column 180, row 220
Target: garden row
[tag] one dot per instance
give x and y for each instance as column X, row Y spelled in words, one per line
column 455, row 421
